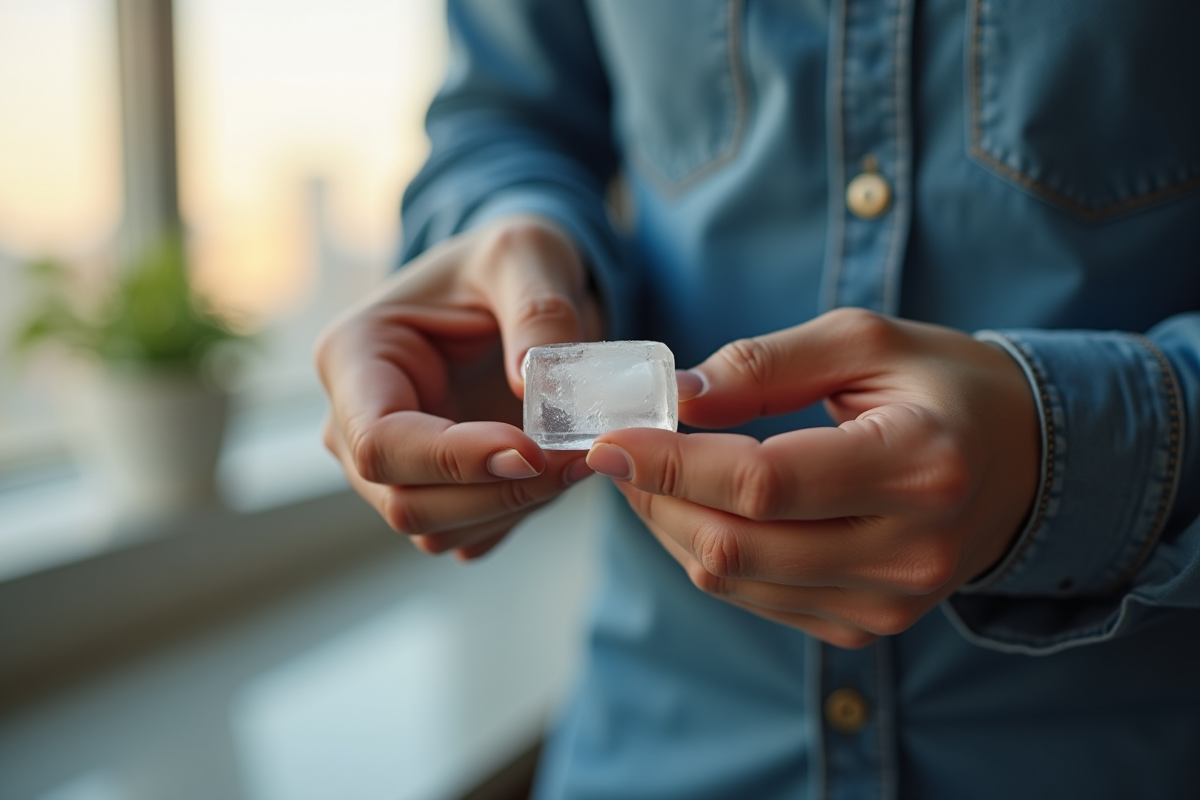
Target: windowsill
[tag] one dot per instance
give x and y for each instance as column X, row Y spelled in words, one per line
column 397, row 676
column 99, row 587
column 288, row 634
column 269, row 462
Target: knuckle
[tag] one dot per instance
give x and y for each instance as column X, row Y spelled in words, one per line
column 670, row 475
column 718, row 551
column 322, row 349
column 928, row 573
column 546, row 307
column 431, row 545
column 947, row 485
column 518, row 495
column 759, row 490
column 518, row 236
column 367, row 454
column 752, row 359
column 889, row 620
column 707, row 582
column 641, row 502
column 850, row 638
column 447, row 463
column 867, row 328
column 329, row 437
column 402, row 515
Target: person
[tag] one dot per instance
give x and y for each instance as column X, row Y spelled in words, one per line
column 935, row 531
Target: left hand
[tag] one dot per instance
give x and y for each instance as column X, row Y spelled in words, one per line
column 851, row 532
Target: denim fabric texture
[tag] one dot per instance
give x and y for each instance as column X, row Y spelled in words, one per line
column 1043, row 162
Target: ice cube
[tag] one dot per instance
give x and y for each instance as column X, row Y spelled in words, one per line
column 575, row 392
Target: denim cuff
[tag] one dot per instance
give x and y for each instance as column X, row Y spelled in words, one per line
column 1111, row 417
column 1112, row 434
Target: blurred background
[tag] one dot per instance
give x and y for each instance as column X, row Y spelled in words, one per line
column 210, row 612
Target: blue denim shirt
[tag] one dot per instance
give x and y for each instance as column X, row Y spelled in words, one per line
column 1043, row 164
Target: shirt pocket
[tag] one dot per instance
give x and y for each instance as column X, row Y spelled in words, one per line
column 1093, row 106
column 679, row 85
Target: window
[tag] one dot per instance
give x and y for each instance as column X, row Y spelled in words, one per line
column 299, row 124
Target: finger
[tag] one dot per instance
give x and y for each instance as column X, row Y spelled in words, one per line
column 375, row 494
column 729, row 547
column 870, row 610
column 768, row 600
column 834, row 633
column 411, row 448
column 856, row 554
column 790, row 369
column 534, row 282
column 882, row 464
column 439, row 508
column 378, row 363
column 469, row 537
column 877, row 613
column 480, row 549
column 415, row 510
column 379, row 375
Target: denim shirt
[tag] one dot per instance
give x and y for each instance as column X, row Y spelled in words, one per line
column 1041, row 161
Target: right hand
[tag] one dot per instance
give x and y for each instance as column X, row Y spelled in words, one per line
column 425, row 384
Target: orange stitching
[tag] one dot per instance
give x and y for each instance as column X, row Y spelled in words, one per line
column 1073, row 206
column 1169, row 480
column 741, row 104
column 1039, row 514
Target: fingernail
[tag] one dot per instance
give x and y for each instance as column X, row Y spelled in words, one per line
column 510, row 464
column 692, row 384
column 576, row 471
column 610, row 460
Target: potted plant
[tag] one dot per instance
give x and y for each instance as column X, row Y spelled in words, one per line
column 150, row 421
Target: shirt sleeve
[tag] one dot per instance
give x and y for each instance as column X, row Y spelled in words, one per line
column 1113, row 541
column 521, row 125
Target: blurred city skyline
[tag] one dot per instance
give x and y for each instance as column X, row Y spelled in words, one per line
column 272, row 95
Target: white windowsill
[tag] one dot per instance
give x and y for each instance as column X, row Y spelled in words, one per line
column 401, row 678
column 268, row 462
column 395, row 675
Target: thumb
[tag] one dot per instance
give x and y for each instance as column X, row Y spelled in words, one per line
column 534, row 281
column 787, row 370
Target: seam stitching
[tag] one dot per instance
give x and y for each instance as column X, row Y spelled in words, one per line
column 1166, row 497
column 1074, row 207
column 901, row 210
column 1039, row 514
column 741, row 112
column 835, row 247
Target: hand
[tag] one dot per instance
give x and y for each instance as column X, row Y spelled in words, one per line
column 425, row 384
column 850, row 532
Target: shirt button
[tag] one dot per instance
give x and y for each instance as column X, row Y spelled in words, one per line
column 846, row 710
column 868, row 195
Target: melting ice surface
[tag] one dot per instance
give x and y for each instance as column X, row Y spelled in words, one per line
column 575, row 392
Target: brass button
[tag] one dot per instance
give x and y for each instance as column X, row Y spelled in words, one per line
column 846, row 710
column 868, row 195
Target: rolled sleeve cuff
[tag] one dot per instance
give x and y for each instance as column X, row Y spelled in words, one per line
column 1111, row 436
column 1110, row 415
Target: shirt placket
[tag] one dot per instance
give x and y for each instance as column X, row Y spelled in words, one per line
column 870, row 153
column 853, row 692
column 870, row 147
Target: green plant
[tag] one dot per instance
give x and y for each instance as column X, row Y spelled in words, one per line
column 149, row 317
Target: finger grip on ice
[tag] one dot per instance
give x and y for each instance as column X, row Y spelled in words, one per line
column 575, row 392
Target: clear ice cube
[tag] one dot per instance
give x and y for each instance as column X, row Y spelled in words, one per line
column 575, row 392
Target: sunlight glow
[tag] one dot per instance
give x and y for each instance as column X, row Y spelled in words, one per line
column 272, row 94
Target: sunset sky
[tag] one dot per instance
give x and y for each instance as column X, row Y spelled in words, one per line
column 272, row 93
